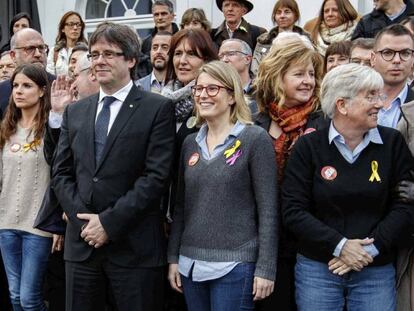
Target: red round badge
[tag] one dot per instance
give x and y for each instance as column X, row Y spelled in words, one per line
column 309, row 130
column 194, row 159
column 329, row 173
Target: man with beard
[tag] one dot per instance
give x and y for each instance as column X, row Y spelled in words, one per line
column 154, row 82
column 385, row 13
column 393, row 59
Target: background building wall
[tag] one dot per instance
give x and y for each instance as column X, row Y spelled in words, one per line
column 50, row 12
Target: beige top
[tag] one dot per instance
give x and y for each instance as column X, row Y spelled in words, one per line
column 24, row 178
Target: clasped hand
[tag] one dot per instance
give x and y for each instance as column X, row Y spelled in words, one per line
column 353, row 257
column 93, row 232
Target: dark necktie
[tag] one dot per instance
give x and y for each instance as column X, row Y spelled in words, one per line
column 101, row 126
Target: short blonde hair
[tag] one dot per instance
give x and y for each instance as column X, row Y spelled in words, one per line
column 272, row 69
column 230, row 78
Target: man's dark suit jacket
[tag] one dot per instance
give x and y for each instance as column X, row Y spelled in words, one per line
column 125, row 187
column 6, row 90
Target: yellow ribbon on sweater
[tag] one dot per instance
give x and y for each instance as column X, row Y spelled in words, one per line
column 31, row 146
column 229, row 152
column 374, row 176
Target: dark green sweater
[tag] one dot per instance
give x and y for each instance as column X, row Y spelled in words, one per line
column 320, row 212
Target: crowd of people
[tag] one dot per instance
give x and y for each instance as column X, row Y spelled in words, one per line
column 200, row 168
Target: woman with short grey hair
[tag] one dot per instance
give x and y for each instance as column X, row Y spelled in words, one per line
column 337, row 199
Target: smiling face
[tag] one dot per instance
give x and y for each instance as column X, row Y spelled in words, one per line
column 298, row 84
column 72, row 28
column 26, row 93
column 186, row 62
column 396, row 71
column 285, row 18
column 213, row 108
column 331, row 15
column 112, row 74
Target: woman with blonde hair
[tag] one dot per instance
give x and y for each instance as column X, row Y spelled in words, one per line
column 223, row 247
column 287, row 86
column 336, row 22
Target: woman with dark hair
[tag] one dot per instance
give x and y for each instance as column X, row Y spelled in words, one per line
column 336, row 22
column 337, row 53
column 287, row 86
column 285, row 14
column 19, row 21
column 195, row 18
column 24, row 179
column 70, row 32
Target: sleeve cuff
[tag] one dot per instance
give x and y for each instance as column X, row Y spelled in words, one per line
column 55, row 120
column 338, row 248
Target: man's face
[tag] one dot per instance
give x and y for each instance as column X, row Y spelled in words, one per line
column 233, row 11
column 85, row 83
column 111, row 68
column 159, row 51
column 394, row 71
column 7, row 67
column 162, row 17
column 231, row 53
column 74, row 57
column 30, row 48
column 361, row 56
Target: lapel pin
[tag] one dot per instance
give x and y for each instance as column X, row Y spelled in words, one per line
column 329, row 173
column 191, row 122
column 131, row 106
column 193, row 159
column 15, row 147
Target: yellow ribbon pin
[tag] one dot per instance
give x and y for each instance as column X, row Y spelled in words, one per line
column 31, row 146
column 229, row 152
column 374, row 175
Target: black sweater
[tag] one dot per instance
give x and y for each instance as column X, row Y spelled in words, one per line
column 321, row 212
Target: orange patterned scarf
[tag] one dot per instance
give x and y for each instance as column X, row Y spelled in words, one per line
column 292, row 121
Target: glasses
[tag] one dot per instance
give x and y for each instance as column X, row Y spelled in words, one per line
column 76, row 75
column 388, row 54
column 211, row 89
column 230, row 54
column 43, row 48
column 359, row 61
column 105, row 54
column 376, row 98
column 71, row 25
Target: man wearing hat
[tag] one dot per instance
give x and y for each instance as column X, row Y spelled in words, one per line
column 234, row 25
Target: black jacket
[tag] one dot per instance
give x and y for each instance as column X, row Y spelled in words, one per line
column 369, row 25
column 146, row 43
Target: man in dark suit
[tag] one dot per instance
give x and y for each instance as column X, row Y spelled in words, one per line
column 27, row 47
column 111, row 167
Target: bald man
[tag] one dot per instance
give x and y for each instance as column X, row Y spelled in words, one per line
column 26, row 47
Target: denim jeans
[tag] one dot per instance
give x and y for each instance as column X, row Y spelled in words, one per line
column 231, row 292
column 371, row 289
column 25, row 257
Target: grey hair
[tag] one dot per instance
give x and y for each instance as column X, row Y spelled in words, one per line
column 84, row 62
column 245, row 48
column 346, row 81
column 287, row 37
column 166, row 3
column 14, row 38
column 4, row 53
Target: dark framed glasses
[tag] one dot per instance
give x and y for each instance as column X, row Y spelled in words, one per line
column 211, row 89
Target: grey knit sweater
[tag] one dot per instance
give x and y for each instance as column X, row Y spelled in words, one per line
column 228, row 212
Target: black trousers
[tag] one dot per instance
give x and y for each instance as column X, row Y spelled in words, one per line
column 89, row 283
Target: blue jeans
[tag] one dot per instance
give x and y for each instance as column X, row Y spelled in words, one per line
column 372, row 289
column 25, row 258
column 231, row 292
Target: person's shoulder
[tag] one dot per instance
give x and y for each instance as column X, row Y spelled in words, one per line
column 388, row 132
column 254, row 134
column 5, row 86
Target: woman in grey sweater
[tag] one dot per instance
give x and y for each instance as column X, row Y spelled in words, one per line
column 223, row 245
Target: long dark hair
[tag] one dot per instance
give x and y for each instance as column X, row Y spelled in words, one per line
column 198, row 40
column 17, row 17
column 13, row 114
column 60, row 41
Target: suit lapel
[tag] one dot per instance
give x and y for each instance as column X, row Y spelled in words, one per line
column 127, row 110
column 90, row 128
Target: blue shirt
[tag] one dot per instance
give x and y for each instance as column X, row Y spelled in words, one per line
column 350, row 156
column 389, row 117
column 205, row 270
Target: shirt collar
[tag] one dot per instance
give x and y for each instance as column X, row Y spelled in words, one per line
column 372, row 135
column 228, row 28
column 403, row 95
column 235, row 131
column 120, row 95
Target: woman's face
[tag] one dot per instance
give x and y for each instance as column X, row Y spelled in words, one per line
column 298, row 84
column 26, row 93
column 214, row 102
column 20, row 24
column 331, row 15
column 186, row 62
column 194, row 24
column 362, row 110
column 335, row 60
column 285, row 18
column 72, row 28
